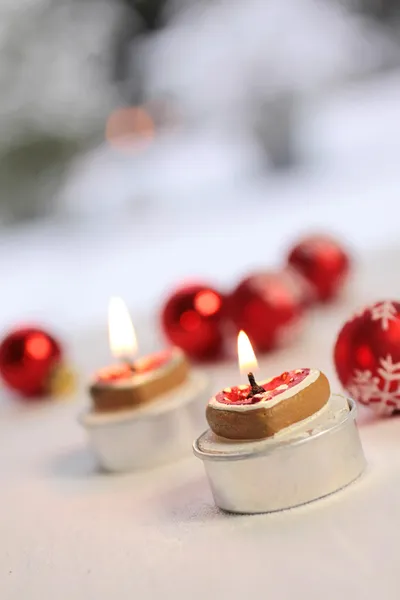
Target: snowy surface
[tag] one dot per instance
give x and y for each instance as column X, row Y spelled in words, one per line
column 69, row 531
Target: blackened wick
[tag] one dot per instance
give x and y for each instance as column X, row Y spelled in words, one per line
column 255, row 388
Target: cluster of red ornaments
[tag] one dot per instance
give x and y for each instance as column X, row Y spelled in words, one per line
column 268, row 306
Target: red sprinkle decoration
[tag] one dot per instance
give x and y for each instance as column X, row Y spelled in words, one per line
column 238, row 394
column 153, row 361
column 143, row 365
column 115, row 373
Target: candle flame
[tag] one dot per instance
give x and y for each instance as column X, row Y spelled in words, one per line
column 121, row 333
column 247, row 358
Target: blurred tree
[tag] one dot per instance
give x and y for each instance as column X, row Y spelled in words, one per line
column 57, row 92
column 144, row 18
column 31, row 173
column 384, row 10
column 151, row 12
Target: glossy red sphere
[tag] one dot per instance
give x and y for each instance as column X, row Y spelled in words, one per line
column 367, row 356
column 268, row 307
column 192, row 319
column 323, row 262
column 27, row 358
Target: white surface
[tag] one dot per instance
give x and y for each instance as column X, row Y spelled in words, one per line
column 70, row 532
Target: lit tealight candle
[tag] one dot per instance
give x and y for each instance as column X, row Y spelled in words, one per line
column 134, row 382
column 258, row 411
column 263, row 450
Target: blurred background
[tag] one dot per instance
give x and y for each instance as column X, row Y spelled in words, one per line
column 146, row 142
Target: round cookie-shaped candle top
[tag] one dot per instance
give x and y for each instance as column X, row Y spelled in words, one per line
column 237, row 413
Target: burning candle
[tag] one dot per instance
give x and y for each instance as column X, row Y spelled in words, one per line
column 134, row 381
column 257, row 411
column 145, row 411
column 280, row 442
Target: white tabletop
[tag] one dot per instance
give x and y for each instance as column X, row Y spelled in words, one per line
column 69, row 531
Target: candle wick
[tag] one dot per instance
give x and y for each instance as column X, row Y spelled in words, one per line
column 255, row 388
column 129, row 364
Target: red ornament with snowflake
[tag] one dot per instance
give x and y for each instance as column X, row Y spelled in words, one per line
column 269, row 308
column 324, row 264
column 367, row 357
column 192, row 319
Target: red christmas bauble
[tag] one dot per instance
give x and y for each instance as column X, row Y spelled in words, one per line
column 29, row 357
column 268, row 307
column 367, row 357
column 323, row 262
column 192, row 319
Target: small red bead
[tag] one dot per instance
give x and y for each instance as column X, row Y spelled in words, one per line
column 323, row 262
column 27, row 358
column 192, row 319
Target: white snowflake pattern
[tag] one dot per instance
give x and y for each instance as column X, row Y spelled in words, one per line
column 364, row 386
column 384, row 312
